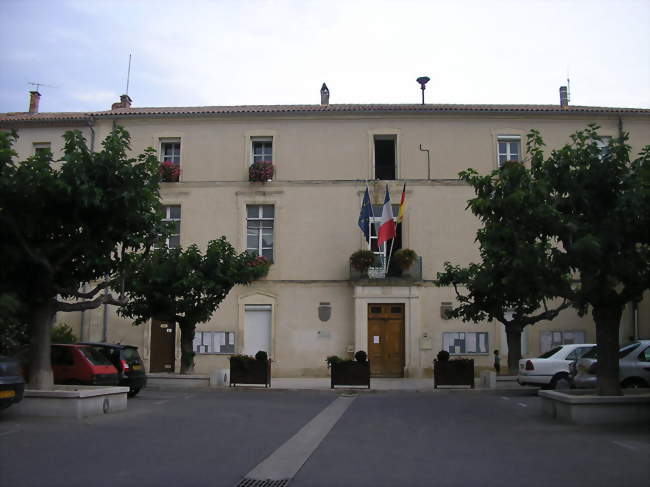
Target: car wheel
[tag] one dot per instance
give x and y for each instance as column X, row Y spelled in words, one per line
column 133, row 391
column 561, row 382
column 633, row 384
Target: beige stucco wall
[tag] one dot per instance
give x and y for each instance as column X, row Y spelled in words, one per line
column 322, row 163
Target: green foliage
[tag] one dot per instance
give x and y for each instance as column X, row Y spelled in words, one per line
column 361, row 260
column 404, row 258
column 14, row 332
column 186, row 286
column 443, row 356
column 335, row 359
column 361, row 356
column 62, row 333
column 261, row 355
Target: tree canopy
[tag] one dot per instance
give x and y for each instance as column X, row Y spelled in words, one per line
column 70, row 222
column 186, row 286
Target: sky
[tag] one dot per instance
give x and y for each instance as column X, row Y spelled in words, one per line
column 223, row 52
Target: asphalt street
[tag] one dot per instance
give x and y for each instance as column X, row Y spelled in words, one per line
column 218, row 437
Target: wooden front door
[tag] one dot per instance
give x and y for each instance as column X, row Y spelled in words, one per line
column 163, row 346
column 386, row 340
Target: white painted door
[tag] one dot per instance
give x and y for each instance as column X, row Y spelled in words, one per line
column 257, row 329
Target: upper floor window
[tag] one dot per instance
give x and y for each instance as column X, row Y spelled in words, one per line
column 259, row 230
column 172, row 215
column 261, row 149
column 385, row 156
column 170, row 151
column 509, row 148
column 42, row 148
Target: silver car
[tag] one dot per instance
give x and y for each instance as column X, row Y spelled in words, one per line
column 633, row 363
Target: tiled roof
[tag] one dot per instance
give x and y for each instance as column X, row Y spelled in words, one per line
column 297, row 109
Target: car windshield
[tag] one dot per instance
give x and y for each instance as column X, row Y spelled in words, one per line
column 550, row 353
column 627, row 349
column 95, row 357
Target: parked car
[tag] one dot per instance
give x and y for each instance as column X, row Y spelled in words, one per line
column 128, row 363
column 12, row 384
column 81, row 364
column 633, row 366
column 551, row 369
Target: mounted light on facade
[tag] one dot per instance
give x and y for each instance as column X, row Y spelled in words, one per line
column 445, row 310
column 324, row 311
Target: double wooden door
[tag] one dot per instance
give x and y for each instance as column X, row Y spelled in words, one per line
column 386, row 339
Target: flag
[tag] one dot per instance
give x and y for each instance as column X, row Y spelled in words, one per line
column 365, row 215
column 387, row 229
column 402, row 206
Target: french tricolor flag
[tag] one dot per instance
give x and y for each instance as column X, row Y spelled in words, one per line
column 387, row 228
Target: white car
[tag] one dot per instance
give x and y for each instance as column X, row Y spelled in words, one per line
column 551, row 369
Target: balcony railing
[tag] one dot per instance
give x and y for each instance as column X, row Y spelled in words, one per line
column 378, row 274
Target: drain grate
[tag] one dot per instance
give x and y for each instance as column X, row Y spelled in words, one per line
column 263, row 483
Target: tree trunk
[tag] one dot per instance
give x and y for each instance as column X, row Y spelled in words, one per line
column 40, row 367
column 187, row 351
column 513, row 336
column 608, row 319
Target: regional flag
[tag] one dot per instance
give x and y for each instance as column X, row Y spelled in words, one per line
column 387, row 228
column 366, row 215
column 402, row 206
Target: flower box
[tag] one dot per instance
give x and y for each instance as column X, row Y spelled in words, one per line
column 350, row 373
column 169, row 172
column 248, row 370
column 458, row 372
column 260, row 172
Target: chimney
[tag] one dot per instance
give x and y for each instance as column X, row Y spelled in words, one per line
column 324, row 95
column 564, row 97
column 34, row 98
column 125, row 102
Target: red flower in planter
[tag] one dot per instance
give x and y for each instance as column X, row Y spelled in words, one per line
column 260, row 171
column 169, row 172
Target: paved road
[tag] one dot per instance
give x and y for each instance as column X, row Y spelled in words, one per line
column 215, row 438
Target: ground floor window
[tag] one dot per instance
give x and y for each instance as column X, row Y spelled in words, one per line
column 465, row 342
column 214, row 342
column 552, row 339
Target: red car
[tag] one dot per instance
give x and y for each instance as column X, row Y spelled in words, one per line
column 81, row 364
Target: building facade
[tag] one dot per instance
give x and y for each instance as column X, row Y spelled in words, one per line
column 312, row 304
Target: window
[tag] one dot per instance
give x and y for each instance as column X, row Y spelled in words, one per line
column 171, row 215
column 261, row 149
column 577, row 353
column 42, row 148
column 170, row 151
column 259, row 230
column 552, row 339
column 214, row 342
column 465, row 342
column 385, row 156
column 509, row 148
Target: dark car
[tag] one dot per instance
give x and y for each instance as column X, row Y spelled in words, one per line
column 81, row 364
column 12, row 384
column 128, row 363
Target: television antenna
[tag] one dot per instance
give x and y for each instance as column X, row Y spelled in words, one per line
column 39, row 85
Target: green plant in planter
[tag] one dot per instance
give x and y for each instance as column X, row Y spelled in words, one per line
column 361, row 356
column 260, row 171
column 443, row 356
column 262, row 356
column 404, row 258
column 361, row 260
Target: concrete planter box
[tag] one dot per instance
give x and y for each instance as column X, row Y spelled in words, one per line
column 456, row 372
column 178, row 380
column 250, row 372
column 72, row 401
column 586, row 407
column 350, row 374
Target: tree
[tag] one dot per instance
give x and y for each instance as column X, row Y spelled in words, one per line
column 517, row 276
column 186, row 287
column 67, row 223
column 598, row 212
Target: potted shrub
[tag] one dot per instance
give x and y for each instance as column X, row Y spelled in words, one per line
column 245, row 369
column 169, row 172
column 401, row 261
column 347, row 372
column 260, row 171
column 361, row 260
column 457, row 372
column 259, row 266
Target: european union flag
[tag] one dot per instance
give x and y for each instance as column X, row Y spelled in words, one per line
column 365, row 215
